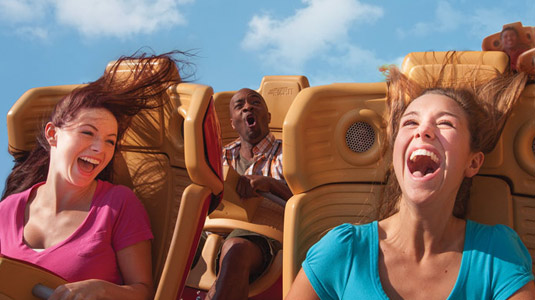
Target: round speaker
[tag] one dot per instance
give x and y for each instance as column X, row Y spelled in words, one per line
column 359, row 136
column 524, row 147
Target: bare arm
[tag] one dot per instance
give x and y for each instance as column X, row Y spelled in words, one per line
column 249, row 185
column 301, row 288
column 525, row 293
column 136, row 268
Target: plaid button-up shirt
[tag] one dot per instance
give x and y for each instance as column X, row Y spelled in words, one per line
column 267, row 157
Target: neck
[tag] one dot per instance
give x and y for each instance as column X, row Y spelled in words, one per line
column 61, row 195
column 246, row 147
column 424, row 231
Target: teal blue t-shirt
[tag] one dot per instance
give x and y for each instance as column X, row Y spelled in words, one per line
column 344, row 263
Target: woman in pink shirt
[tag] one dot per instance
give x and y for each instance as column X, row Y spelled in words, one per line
column 59, row 210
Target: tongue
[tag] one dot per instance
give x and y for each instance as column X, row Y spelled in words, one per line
column 422, row 174
column 418, row 174
column 85, row 166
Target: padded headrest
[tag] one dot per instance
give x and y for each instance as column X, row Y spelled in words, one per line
column 278, row 92
column 333, row 134
column 28, row 115
column 468, row 66
column 493, row 42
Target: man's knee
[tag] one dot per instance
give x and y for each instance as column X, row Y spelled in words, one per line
column 241, row 251
column 238, row 246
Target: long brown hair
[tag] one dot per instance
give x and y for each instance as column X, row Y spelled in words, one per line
column 488, row 105
column 124, row 94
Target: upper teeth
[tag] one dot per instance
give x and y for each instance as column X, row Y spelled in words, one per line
column 90, row 160
column 422, row 152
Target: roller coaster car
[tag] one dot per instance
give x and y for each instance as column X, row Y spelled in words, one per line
column 258, row 215
column 170, row 158
column 526, row 61
column 332, row 137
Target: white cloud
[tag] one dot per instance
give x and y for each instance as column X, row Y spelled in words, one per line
column 21, row 10
column 94, row 18
column 323, row 24
column 118, row 17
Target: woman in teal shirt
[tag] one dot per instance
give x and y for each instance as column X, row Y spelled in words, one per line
column 422, row 247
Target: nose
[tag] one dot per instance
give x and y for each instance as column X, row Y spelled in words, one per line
column 247, row 106
column 97, row 145
column 425, row 131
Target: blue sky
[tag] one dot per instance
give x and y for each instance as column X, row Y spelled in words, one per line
column 55, row 42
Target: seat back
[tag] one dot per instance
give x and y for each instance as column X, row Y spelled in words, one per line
column 332, row 144
column 152, row 162
column 469, row 66
column 277, row 91
column 526, row 36
column 513, row 162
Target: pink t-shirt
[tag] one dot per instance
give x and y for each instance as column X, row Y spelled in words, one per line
column 116, row 220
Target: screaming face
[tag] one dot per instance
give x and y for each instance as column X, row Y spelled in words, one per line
column 249, row 116
column 432, row 152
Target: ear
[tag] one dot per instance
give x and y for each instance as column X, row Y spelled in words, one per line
column 475, row 163
column 232, row 124
column 50, row 134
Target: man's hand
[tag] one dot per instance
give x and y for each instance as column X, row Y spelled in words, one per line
column 249, row 185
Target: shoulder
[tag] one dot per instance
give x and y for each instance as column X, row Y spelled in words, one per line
column 493, row 234
column 501, row 243
column 115, row 195
column 232, row 145
column 13, row 200
column 499, row 251
column 335, row 258
column 344, row 237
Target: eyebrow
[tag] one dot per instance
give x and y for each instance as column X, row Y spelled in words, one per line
column 442, row 113
column 95, row 128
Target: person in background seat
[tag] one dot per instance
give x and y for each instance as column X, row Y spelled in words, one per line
column 512, row 45
column 257, row 157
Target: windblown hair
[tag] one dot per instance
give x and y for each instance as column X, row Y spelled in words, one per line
column 132, row 84
column 487, row 104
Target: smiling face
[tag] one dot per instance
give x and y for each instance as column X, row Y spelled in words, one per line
column 81, row 149
column 432, row 154
column 249, row 116
column 509, row 39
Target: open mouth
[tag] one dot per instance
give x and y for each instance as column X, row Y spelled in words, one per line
column 87, row 164
column 423, row 163
column 251, row 120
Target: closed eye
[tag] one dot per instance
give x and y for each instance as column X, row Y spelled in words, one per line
column 111, row 142
column 409, row 122
column 446, row 123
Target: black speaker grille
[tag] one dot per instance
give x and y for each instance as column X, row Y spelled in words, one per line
column 360, row 137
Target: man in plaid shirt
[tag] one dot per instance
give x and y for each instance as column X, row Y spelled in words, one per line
column 257, row 156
